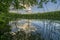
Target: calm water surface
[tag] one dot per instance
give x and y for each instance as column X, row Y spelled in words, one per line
column 49, row 29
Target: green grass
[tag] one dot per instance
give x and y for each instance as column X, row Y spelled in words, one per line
column 48, row 15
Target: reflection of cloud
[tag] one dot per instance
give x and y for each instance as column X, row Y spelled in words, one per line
column 27, row 27
column 23, row 25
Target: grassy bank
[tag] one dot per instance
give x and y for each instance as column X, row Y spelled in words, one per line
column 48, row 15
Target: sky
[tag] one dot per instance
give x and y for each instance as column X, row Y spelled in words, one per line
column 47, row 8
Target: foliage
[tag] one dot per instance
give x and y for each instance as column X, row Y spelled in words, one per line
column 5, row 4
column 48, row 15
column 31, row 3
column 4, row 27
column 6, row 36
column 21, row 35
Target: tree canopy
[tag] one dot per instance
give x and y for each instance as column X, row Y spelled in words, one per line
column 5, row 4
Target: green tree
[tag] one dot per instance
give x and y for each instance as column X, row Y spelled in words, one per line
column 5, row 4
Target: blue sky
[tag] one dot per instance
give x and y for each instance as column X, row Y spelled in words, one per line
column 50, row 7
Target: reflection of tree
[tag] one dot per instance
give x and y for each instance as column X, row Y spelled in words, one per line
column 21, row 35
column 6, row 36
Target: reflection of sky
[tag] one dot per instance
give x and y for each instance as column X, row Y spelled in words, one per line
column 47, row 7
column 47, row 28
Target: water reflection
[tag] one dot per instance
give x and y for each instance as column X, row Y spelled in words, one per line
column 49, row 29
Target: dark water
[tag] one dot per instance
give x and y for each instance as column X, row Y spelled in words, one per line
column 49, row 29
